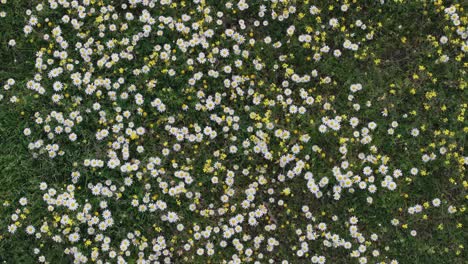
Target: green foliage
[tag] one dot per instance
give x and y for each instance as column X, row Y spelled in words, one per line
column 277, row 139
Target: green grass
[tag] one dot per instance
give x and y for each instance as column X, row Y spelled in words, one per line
column 398, row 72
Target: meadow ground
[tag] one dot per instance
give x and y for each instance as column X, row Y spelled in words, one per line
column 233, row 131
